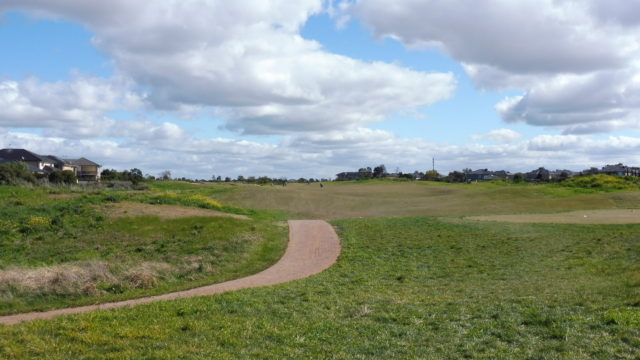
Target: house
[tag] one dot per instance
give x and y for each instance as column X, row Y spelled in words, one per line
column 84, row 169
column 540, row 174
column 35, row 163
column 620, row 170
column 560, row 175
column 346, row 176
column 478, row 175
column 87, row 170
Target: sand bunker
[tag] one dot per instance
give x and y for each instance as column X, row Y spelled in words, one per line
column 608, row 216
column 118, row 210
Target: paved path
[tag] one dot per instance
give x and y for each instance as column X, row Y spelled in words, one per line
column 313, row 247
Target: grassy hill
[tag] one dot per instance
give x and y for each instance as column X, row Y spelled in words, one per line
column 432, row 285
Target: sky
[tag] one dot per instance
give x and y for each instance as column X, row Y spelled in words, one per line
column 311, row 88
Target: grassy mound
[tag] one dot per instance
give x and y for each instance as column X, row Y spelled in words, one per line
column 59, row 250
column 603, row 182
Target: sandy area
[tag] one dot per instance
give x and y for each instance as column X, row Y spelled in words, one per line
column 607, row 216
column 122, row 209
column 313, row 247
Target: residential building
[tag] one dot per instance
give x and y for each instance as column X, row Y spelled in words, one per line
column 87, row 170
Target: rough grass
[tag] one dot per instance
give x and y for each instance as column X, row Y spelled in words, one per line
column 386, row 198
column 403, row 288
column 64, row 250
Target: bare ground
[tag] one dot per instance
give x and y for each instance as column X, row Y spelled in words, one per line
column 607, row 216
column 313, row 247
column 123, row 209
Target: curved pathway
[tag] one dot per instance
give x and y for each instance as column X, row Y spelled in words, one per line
column 313, row 247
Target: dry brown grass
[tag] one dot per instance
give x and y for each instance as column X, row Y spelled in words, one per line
column 347, row 200
column 74, row 278
column 82, row 277
column 610, row 216
column 146, row 275
column 123, row 209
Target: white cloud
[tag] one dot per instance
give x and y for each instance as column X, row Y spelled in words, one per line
column 576, row 61
column 499, row 136
column 248, row 59
column 324, row 155
column 77, row 107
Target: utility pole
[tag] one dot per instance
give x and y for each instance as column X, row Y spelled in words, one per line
column 433, row 163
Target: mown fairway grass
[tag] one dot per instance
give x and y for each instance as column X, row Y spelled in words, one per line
column 404, row 288
column 59, row 250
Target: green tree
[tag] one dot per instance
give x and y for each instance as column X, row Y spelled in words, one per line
column 379, row 171
column 518, row 178
column 432, row 175
column 365, row 173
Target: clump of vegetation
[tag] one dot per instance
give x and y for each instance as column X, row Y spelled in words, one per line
column 16, row 173
column 58, row 251
column 603, row 182
column 63, row 177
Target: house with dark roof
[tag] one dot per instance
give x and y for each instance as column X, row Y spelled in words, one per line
column 35, row 163
column 540, row 174
column 84, row 169
column 620, row 170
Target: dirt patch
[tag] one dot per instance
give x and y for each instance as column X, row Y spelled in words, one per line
column 608, row 216
column 123, row 209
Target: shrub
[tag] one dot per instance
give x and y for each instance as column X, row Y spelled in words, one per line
column 16, row 173
column 63, row 177
column 602, row 182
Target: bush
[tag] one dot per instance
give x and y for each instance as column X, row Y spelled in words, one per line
column 16, row 173
column 63, row 177
column 603, row 182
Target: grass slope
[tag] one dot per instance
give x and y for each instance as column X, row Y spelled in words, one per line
column 404, row 288
column 384, row 198
column 63, row 250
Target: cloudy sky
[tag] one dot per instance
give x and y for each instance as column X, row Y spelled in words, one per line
column 312, row 87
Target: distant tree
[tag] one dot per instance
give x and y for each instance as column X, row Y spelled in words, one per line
column 227, row 179
column 302, row 180
column 218, row 179
column 591, row 171
column 365, row 173
column 135, row 176
column 379, row 171
column 240, row 178
column 431, row 175
column 455, row 177
column 165, row 175
column 518, row 178
column 466, row 170
column 109, row 174
column 263, row 180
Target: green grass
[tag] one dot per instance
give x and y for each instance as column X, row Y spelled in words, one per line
column 421, row 198
column 403, row 288
column 59, row 252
